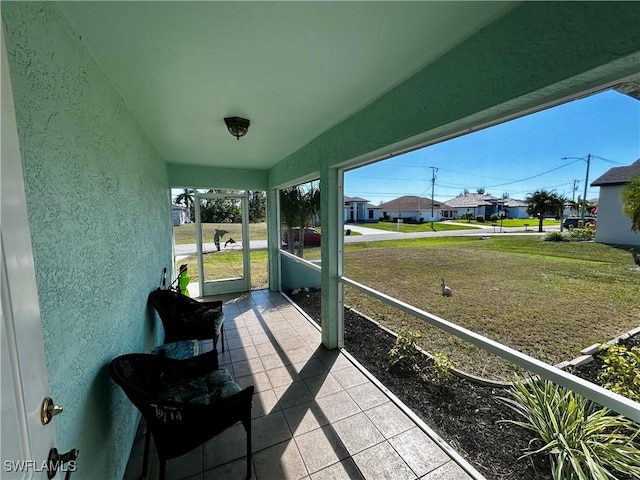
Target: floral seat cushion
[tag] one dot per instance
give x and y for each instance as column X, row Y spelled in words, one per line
column 204, row 390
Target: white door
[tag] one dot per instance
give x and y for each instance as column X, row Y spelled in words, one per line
column 222, row 241
column 25, row 441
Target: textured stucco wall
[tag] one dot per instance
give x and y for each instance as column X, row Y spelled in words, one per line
column 205, row 177
column 538, row 52
column 613, row 226
column 100, row 219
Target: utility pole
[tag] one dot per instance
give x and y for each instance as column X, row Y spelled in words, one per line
column 575, row 187
column 586, row 183
column 433, row 184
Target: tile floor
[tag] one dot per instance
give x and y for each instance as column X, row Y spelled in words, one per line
column 315, row 414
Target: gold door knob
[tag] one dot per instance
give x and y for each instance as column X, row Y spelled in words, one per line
column 49, row 410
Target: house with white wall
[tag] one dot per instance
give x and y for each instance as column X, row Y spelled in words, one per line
column 613, row 226
column 359, row 210
column 414, row 208
column 487, row 205
column 180, row 215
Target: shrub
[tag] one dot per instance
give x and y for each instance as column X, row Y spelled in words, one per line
column 583, row 441
column 621, row 370
column 480, row 218
column 442, row 366
column 494, row 217
column 582, row 234
column 555, row 237
column 404, row 353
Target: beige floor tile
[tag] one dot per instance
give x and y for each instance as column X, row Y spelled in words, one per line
column 419, row 452
column 280, row 462
column 321, row 385
column 293, row 394
column 367, row 396
column 283, row 376
column 344, row 470
column 311, row 368
column 247, row 367
column 265, row 349
column 358, row 433
column 264, row 403
column 269, row 430
column 389, row 419
column 449, row 471
column 259, row 380
column 243, row 354
column 320, row 448
column 305, row 417
column 236, row 470
column 382, row 462
column 230, row 445
column 337, row 406
column 349, row 377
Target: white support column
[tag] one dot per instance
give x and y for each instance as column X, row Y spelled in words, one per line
column 332, row 248
column 273, row 239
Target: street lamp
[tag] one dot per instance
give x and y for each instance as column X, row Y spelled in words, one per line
column 586, row 182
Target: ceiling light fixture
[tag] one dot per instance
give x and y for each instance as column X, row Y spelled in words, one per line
column 237, row 126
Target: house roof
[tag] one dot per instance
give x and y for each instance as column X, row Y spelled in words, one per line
column 513, row 203
column 409, row 202
column 354, row 199
column 472, row 200
column 371, row 206
column 618, row 175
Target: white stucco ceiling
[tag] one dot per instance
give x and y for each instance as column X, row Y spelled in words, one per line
column 294, row 69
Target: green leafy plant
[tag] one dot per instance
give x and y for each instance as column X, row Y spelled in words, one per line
column 621, row 370
column 404, row 353
column 555, row 237
column 584, row 442
column 442, row 366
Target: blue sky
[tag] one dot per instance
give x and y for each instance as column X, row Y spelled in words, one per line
column 502, row 158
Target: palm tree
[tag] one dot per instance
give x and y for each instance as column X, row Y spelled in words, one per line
column 290, row 202
column 631, row 203
column 298, row 207
column 541, row 202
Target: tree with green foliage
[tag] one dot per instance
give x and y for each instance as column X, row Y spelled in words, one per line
column 257, row 206
column 299, row 205
column 631, row 203
column 541, row 202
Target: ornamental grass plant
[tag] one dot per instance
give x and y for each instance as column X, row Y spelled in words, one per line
column 583, row 440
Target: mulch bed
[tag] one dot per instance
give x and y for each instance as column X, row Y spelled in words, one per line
column 466, row 415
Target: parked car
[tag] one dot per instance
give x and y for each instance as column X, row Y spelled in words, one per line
column 311, row 237
column 574, row 222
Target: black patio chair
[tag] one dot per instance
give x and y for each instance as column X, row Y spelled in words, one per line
column 184, row 318
column 183, row 402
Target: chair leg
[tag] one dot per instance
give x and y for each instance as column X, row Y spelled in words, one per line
column 145, row 458
column 247, row 427
column 163, row 469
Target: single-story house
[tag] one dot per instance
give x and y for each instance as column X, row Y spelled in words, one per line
column 613, row 225
column 414, row 209
column 359, row 210
column 180, row 215
column 487, row 205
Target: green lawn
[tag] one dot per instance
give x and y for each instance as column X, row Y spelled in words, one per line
column 410, row 227
column 547, row 299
